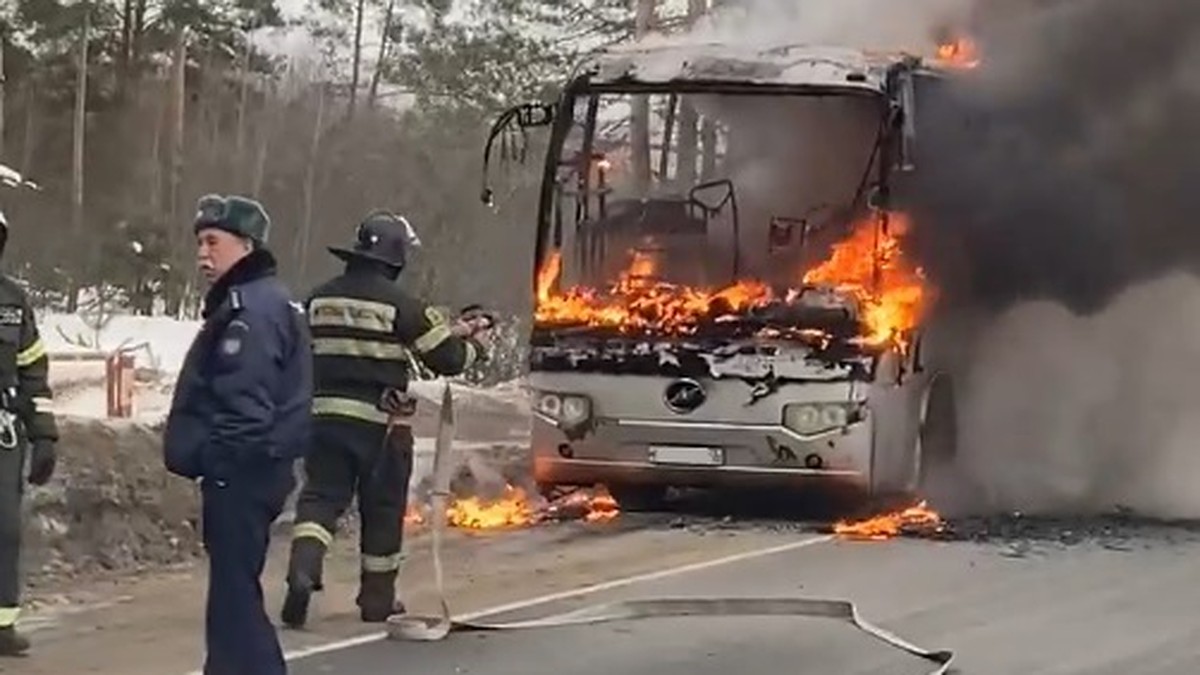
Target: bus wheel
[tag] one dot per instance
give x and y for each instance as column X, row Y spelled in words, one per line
column 939, row 434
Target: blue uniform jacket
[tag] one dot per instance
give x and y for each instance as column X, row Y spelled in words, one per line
column 243, row 400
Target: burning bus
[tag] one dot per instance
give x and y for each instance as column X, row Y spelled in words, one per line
column 723, row 296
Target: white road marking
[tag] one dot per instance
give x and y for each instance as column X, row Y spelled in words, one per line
column 563, row 595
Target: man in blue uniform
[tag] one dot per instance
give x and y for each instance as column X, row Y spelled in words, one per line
column 239, row 418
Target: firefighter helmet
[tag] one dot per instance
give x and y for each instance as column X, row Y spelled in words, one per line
column 383, row 237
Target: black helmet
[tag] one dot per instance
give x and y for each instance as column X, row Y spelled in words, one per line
column 383, row 237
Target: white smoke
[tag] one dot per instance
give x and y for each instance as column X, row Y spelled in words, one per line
column 865, row 24
column 1067, row 413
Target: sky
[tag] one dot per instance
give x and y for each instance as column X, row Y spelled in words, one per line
column 297, row 43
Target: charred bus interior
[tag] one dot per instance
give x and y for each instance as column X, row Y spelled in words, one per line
column 689, row 217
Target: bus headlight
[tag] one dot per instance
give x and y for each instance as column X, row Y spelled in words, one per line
column 814, row 418
column 567, row 410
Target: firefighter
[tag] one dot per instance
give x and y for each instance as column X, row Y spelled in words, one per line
column 239, row 419
column 27, row 429
column 367, row 335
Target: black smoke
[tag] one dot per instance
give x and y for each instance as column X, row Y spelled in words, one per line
column 1067, row 166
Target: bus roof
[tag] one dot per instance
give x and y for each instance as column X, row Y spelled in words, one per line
column 796, row 66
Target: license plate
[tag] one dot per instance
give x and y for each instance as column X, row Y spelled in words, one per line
column 689, row 455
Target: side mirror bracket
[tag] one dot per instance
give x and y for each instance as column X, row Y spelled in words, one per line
column 514, row 120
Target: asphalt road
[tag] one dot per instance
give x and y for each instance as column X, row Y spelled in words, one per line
column 1046, row 609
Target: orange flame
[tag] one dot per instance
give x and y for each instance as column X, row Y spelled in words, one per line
column 601, row 508
column 958, row 53
column 413, row 516
column 512, row 509
column 515, row 509
column 914, row 518
column 638, row 300
column 894, row 301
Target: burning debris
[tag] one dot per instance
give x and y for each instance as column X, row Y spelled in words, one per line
column 918, row 520
column 511, row 509
column 881, row 296
column 958, row 52
column 640, row 301
column 516, row 508
column 870, row 259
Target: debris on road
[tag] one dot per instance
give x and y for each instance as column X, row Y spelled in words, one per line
column 514, row 507
column 1020, row 535
column 918, row 520
column 1118, row 531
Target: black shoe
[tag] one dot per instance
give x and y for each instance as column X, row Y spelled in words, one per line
column 304, row 577
column 295, row 606
column 380, row 614
column 377, row 596
column 12, row 643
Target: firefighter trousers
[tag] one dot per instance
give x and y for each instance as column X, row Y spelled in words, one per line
column 351, row 458
column 12, row 491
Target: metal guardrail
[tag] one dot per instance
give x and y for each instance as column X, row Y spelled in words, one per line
column 78, row 356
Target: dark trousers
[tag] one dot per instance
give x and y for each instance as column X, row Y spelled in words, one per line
column 348, row 459
column 237, row 529
column 12, row 489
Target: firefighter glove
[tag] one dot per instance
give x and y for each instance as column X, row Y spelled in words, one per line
column 42, row 460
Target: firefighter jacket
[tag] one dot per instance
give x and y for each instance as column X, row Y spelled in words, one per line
column 369, row 336
column 24, row 366
column 243, row 399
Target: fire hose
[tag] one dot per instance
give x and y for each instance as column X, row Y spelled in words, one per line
column 411, row 627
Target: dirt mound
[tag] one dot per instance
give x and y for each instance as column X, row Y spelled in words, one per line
column 111, row 505
column 113, row 508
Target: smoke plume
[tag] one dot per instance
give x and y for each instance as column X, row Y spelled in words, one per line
column 1057, row 197
column 805, row 158
column 866, row 24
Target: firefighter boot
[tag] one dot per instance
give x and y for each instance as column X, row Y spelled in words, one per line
column 12, row 643
column 304, row 577
column 377, row 596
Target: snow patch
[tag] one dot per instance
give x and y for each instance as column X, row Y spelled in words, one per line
column 159, row 345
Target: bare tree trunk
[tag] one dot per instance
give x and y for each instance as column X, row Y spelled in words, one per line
column 162, row 108
column 640, row 118
column 688, row 135
column 708, row 142
column 260, row 162
column 373, row 93
column 273, row 118
column 174, row 198
column 29, row 142
column 126, row 54
column 3, row 41
column 360, row 8
column 78, row 130
column 243, row 95
column 310, row 178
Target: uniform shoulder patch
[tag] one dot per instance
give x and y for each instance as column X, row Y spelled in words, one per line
column 11, row 315
column 235, row 334
column 231, row 346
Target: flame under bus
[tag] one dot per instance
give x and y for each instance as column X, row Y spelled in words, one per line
column 722, row 293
